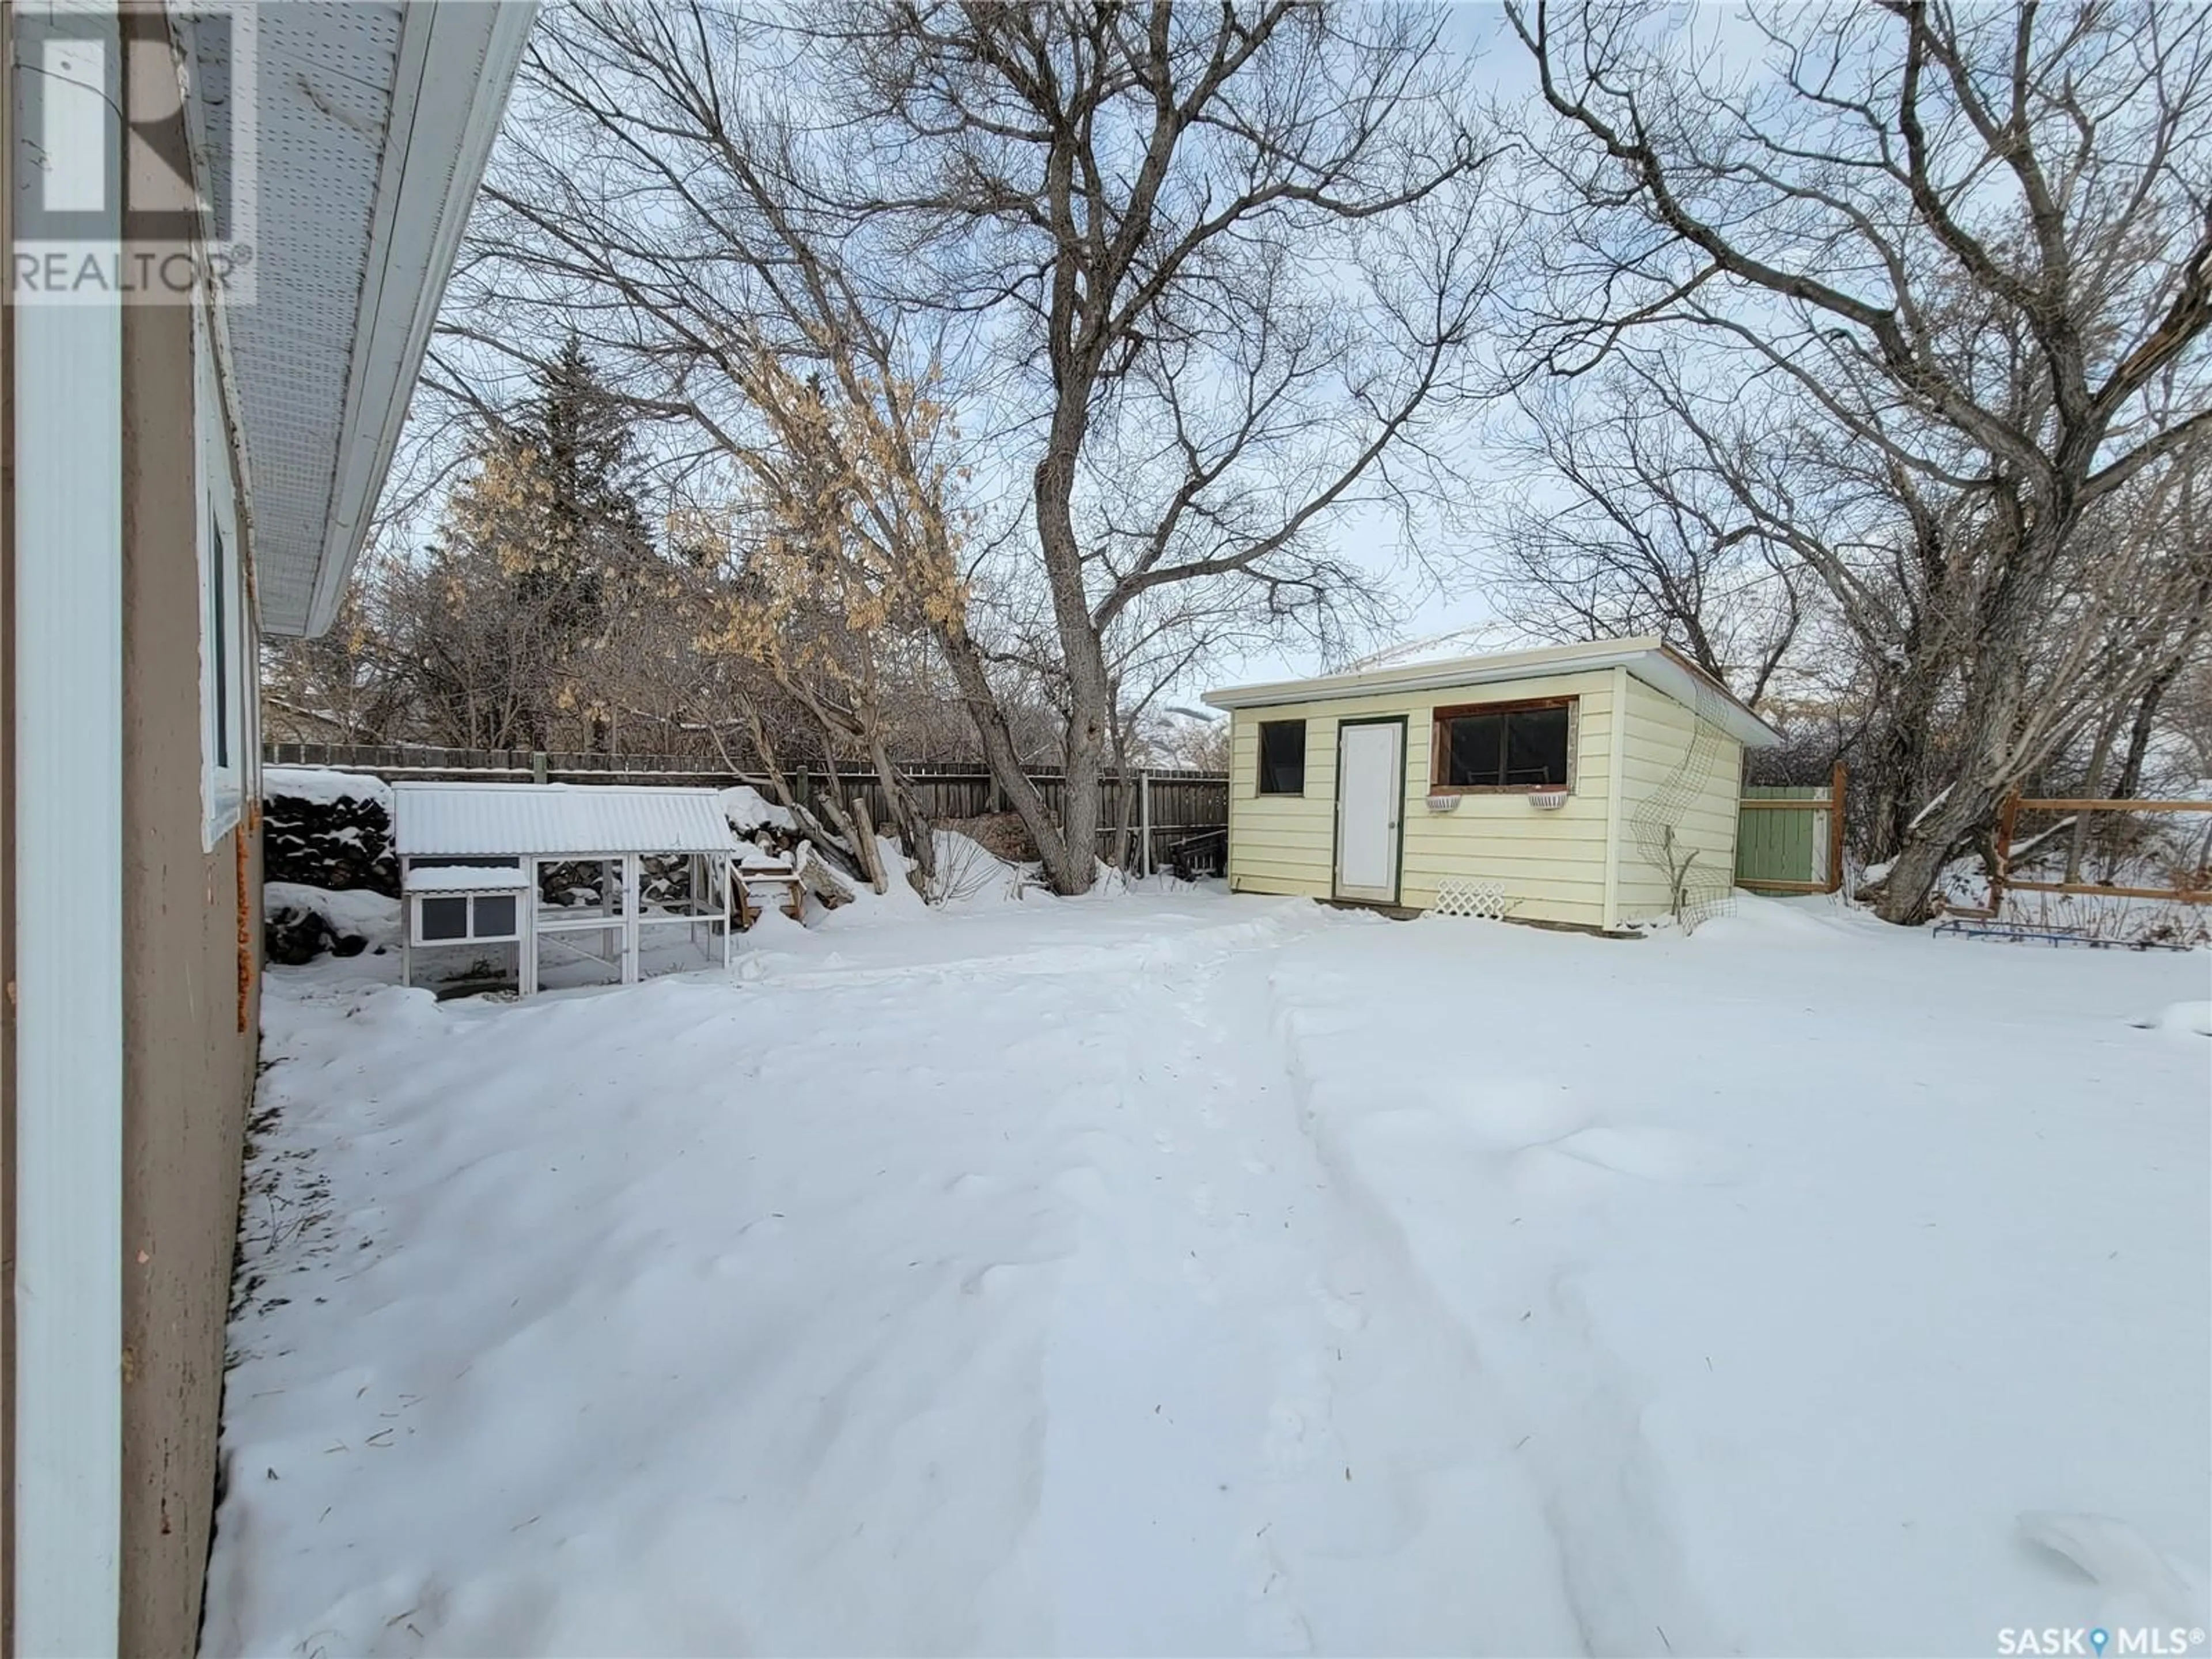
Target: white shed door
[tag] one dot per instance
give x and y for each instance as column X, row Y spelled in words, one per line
column 1370, row 792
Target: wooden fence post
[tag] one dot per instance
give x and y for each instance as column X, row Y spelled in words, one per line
column 2005, row 816
column 1836, row 785
column 1145, row 823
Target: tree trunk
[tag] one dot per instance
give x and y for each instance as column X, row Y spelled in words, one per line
column 1084, row 769
column 1991, row 765
column 2077, row 844
column 1897, row 763
column 906, row 816
column 872, row 856
column 1125, row 800
column 1090, row 687
column 2130, row 783
column 982, row 704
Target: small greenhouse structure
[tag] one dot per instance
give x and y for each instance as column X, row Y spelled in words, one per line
column 552, row 885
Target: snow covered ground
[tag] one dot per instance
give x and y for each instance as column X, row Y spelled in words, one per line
column 1179, row 1274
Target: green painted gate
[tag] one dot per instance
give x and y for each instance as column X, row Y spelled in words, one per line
column 1789, row 837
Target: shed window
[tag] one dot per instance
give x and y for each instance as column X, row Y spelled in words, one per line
column 1282, row 758
column 1506, row 745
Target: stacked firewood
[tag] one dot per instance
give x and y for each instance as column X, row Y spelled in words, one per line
column 343, row 844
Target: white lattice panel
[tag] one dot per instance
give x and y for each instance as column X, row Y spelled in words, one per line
column 1459, row 896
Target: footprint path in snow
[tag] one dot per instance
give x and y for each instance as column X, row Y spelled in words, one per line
column 1264, row 1429
column 1577, row 1434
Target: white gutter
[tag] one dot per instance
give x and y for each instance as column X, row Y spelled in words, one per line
column 456, row 61
column 68, row 1177
column 1646, row 657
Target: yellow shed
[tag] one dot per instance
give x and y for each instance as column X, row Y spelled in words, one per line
column 1584, row 784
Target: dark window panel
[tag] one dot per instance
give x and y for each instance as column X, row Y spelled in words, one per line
column 220, row 664
column 1477, row 750
column 1536, row 747
column 495, row 915
column 444, row 918
column 1282, row 758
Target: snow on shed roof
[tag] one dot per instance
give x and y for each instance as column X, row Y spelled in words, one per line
column 1648, row 659
column 456, row 820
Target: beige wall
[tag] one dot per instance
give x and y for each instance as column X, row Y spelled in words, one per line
column 1664, row 737
column 1552, row 863
column 189, row 1029
column 1584, row 864
column 188, row 1065
column 191, row 919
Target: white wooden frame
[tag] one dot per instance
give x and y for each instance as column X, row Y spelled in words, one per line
column 712, row 880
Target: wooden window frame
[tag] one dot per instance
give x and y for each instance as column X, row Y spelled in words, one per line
column 1260, row 791
column 1440, row 747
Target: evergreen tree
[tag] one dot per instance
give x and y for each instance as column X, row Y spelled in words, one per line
column 545, row 547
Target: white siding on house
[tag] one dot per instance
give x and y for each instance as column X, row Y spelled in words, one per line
column 1552, row 863
column 1659, row 745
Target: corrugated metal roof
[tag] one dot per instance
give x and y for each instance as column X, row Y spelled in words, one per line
column 456, row 820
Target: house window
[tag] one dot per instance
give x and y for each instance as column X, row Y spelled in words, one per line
column 226, row 692
column 1282, row 758
column 446, row 918
column 1505, row 746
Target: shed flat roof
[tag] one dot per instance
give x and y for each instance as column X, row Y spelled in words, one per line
column 1648, row 658
column 555, row 820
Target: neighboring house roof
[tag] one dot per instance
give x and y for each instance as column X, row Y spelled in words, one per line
column 555, row 820
column 1649, row 658
column 373, row 121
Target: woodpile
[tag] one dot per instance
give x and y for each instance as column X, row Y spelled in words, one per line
column 295, row 935
column 339, row 842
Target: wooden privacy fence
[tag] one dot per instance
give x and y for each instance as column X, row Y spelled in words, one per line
column 2192, row 884
column 1789, row 838
column 1171, row 803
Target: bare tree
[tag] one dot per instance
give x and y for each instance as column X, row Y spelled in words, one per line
column 1634, row 523
column 1978, row 239
column 1199, row 282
